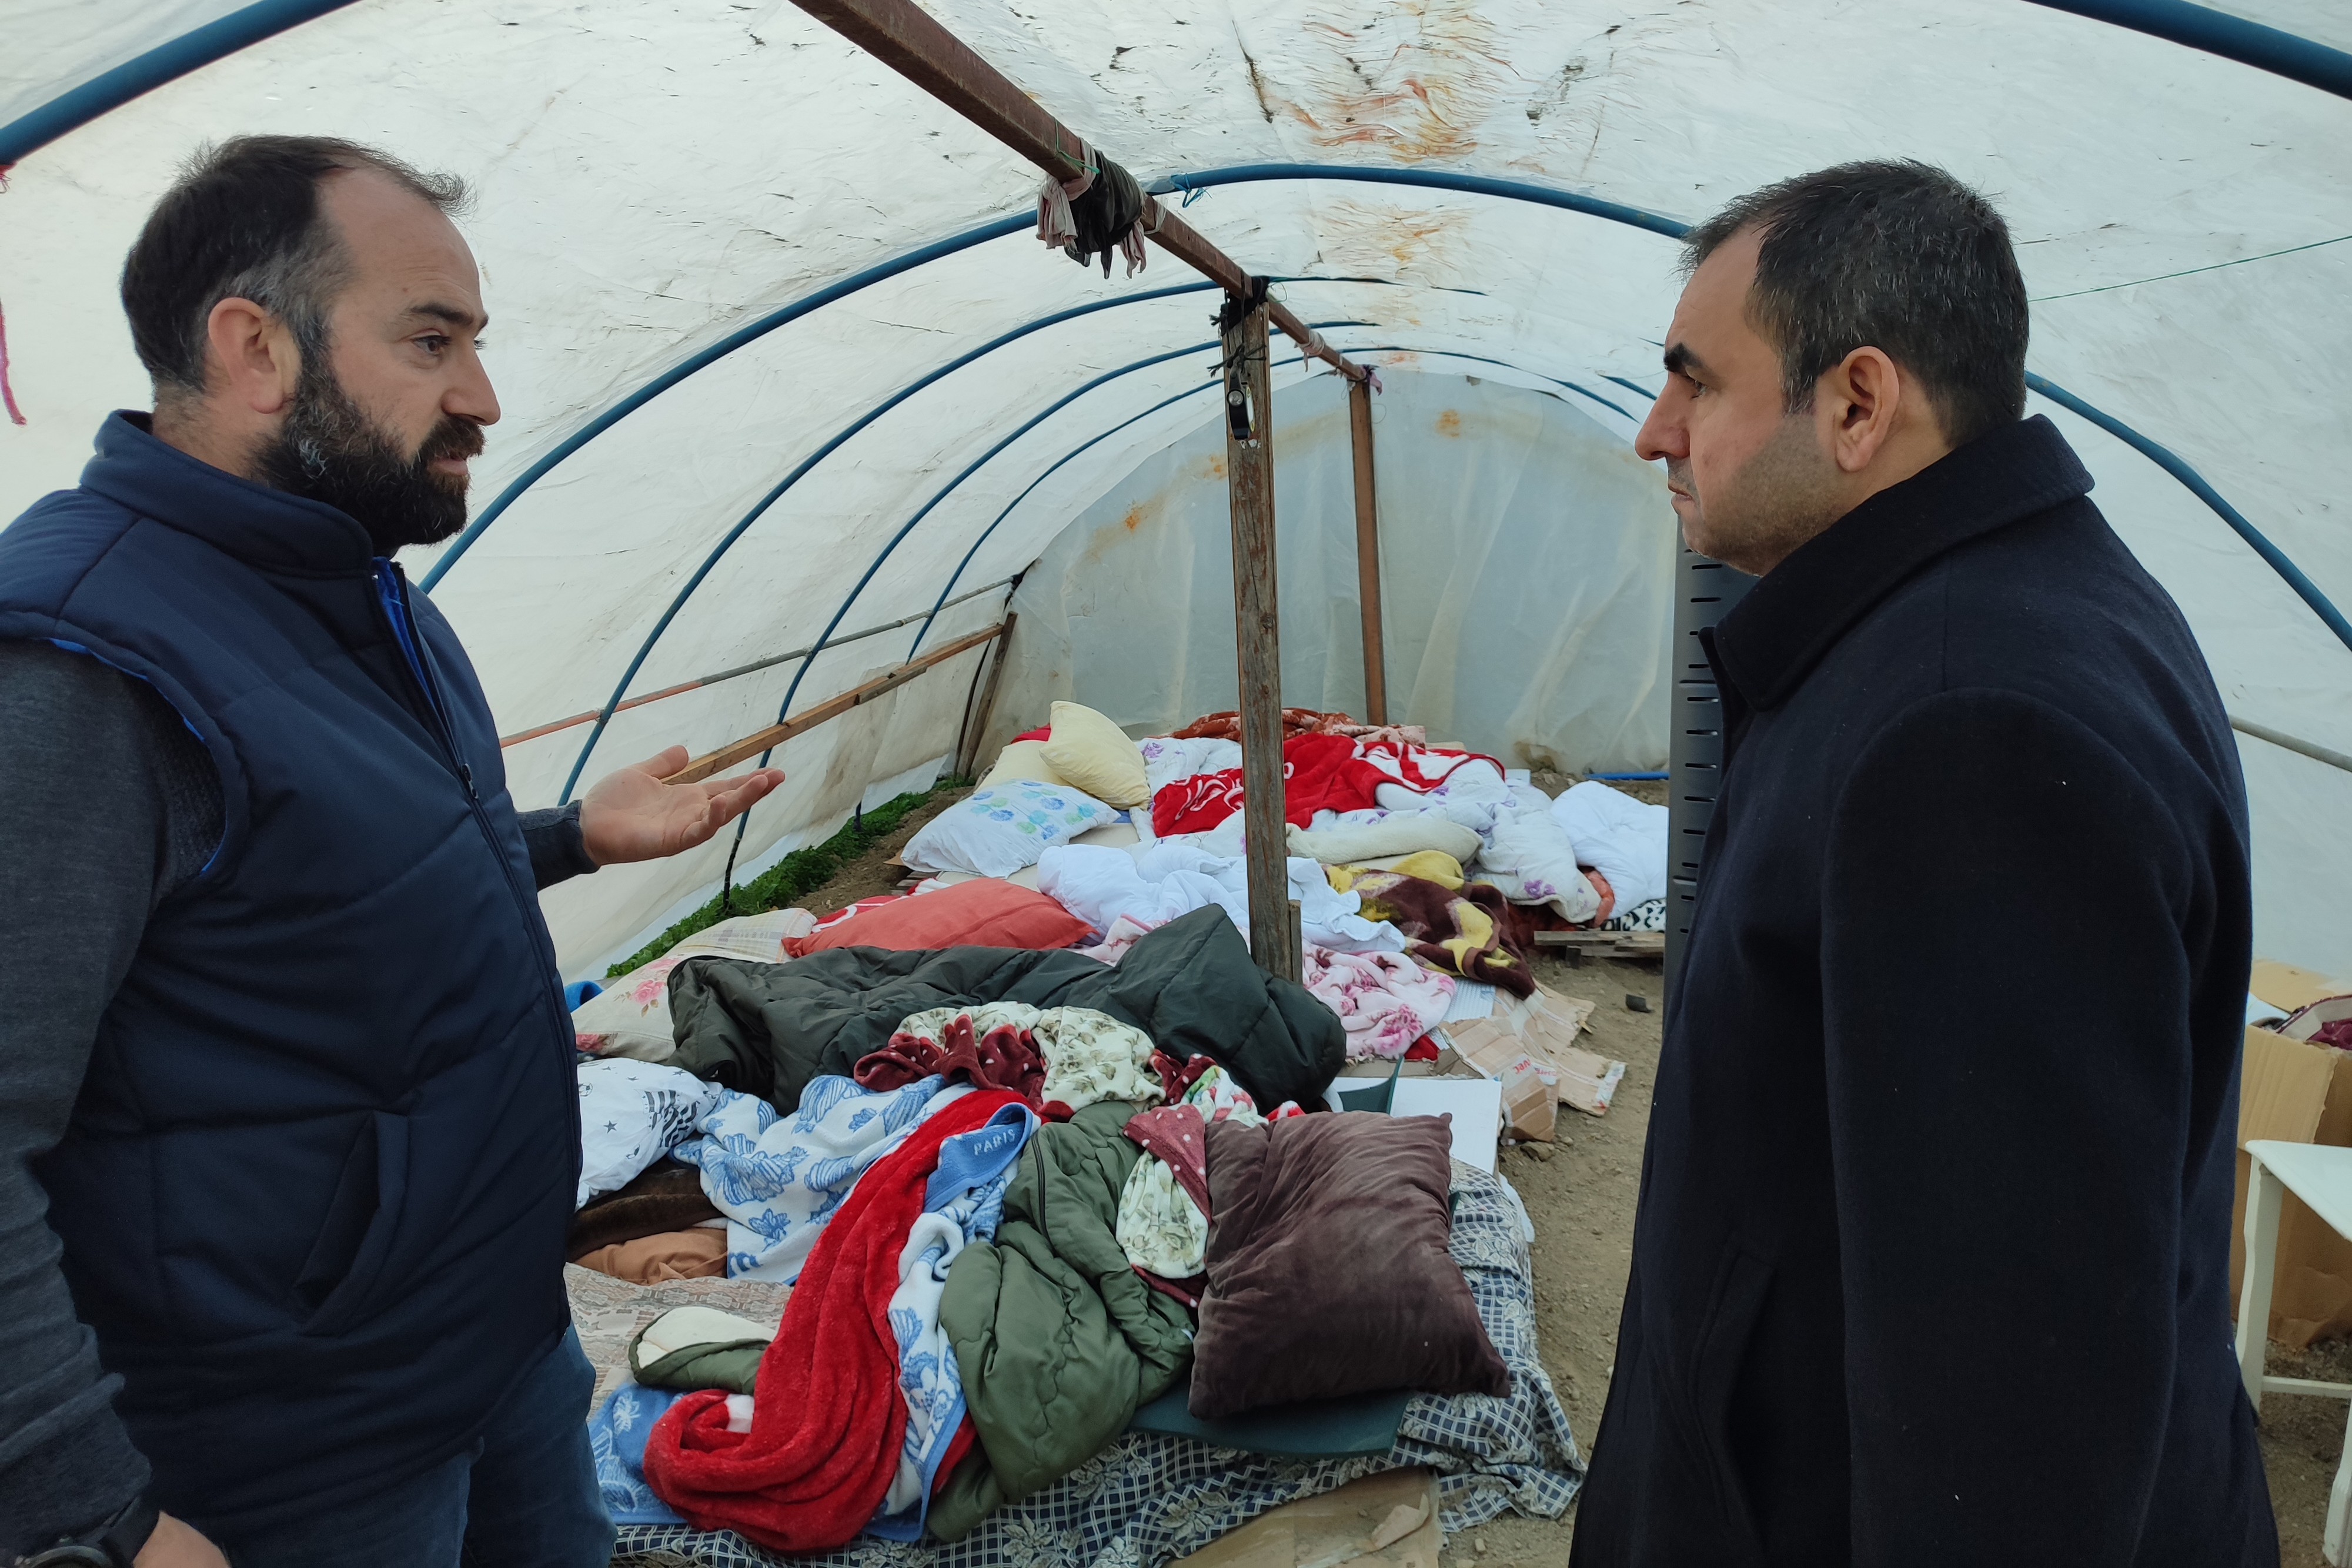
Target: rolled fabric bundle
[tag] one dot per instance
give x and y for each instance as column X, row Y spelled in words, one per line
column 1398, row 834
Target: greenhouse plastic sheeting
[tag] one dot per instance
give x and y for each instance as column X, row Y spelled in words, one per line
column 650, row 178
column 1526, row 576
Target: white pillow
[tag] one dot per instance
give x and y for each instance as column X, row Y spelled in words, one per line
column 1167, row 760
column 997, row 831
column 630, row 1115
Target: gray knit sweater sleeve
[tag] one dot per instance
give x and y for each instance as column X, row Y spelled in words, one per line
column 107, row 803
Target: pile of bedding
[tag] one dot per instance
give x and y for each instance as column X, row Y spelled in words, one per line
column 1142, row 1498
column 1017, row 1193
column 1026, row 1148
column 1438, row 853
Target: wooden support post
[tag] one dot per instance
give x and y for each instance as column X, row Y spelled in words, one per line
column 967, row 745
column 1368, row 553
column 1257, row 626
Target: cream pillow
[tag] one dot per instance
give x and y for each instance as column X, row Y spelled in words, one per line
column 1022, row 759
column 1090, row 753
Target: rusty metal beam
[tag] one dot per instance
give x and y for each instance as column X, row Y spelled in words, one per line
column 904, row 37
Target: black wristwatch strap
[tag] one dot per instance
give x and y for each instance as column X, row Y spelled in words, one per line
column 114, row 1544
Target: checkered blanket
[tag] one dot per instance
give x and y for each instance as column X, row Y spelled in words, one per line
column 1146, row 1500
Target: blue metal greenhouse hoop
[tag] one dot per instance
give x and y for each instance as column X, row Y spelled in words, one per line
column 2196, row 27
column 1511, row 190
column 1040, row 417
column 168, row 61
column 743, row 823
column 823, row 450
column 2172, row 463
column 2178, row 467
column 824, row 639
column 726, row 541
column 749, row 332
column 957, row 576
column 2289, row 55
column 2200, row 27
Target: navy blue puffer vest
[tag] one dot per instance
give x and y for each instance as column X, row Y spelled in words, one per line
column 314, row 1194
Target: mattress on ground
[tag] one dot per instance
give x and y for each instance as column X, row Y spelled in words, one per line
column 1147, row 1500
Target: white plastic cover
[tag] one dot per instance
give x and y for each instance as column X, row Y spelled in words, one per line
column 651, row 177
column 1526, row 577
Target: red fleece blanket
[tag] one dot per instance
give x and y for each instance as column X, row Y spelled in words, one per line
column 1319, row 773
column 827, row 1417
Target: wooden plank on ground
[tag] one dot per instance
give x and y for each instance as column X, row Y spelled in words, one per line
column 1621, row 944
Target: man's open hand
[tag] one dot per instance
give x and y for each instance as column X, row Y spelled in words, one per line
column 631, row 815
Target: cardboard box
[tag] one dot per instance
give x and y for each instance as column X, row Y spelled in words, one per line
column 2298, row 1092
column 1386, row 1520
column 1527, row 1091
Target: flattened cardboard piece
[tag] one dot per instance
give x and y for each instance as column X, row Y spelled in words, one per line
column 1541, row 1031
column 1588, row 1081
column 2284, row 985
column 1488, row 1046
column 1367, row 1523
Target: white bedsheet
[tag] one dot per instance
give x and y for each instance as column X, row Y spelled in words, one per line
column 1152, row 884
column 1622, row 838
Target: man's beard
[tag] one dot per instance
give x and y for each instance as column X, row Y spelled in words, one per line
column 1784, row 494
column 329, row 450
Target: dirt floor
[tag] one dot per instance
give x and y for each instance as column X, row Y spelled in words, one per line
column 1581, row 1193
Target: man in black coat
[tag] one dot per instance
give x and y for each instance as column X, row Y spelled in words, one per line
column 1932, row 1264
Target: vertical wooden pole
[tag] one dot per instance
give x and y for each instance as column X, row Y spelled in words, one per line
column 1257, row 624
column 968, row 744
column 1368, row 553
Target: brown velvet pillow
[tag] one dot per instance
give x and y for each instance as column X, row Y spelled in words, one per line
column 1327, row 1271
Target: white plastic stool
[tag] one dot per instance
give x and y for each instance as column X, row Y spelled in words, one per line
column 2321, row 1178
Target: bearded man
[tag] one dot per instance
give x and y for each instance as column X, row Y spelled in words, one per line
column 287, row 1125
column 1933, row 1256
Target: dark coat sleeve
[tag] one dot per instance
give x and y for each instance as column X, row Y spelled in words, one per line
column 2011, row 922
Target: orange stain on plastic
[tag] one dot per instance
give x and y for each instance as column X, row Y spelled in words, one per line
column 1449, row 424
column 1413, row 79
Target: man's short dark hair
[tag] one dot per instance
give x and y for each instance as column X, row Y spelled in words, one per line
column 1899, row 257
column 243, row 222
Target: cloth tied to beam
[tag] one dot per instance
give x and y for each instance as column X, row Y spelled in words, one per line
column 1316, row 347
column 828, row 1420
column 1094, row 213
